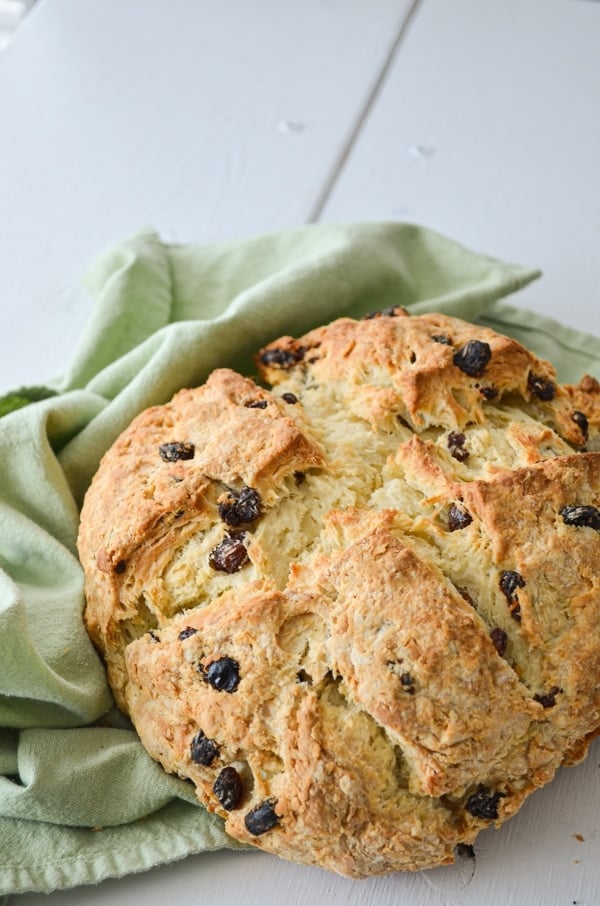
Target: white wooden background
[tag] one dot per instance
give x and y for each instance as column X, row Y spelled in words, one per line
column 210, row 120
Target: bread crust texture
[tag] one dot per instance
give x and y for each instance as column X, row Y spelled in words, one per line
column 359, row 610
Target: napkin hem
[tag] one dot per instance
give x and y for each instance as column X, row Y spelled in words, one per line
column 169, row 842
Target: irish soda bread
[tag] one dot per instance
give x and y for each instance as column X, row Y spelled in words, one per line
column 360, row 611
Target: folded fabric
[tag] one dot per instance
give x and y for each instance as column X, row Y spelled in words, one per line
column 79, row 798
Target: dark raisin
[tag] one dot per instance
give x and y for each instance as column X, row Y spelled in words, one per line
column 541, row 387
column 442, row 338
column 228, row 788
column 257, row 404
column 290, row 398
column 203, row 750
column 413, row 358
column 582, row 423
column 458, row 518
column 588, row 516
column 456, row 446
column 407, row 683
column 489, row 393
column 391, row 311
column 510, row 580
column 303, row 677
column 299, row 478
column 174, row 451
column 121, row 566
column 186, row 633
column 499, row 638
column 239, row 508
column 282, row 358
column 473, row 357
column 223, row 675
column 464, row 851
column 153, row 636
column 548, row 699
column 484, row 803
column 262, row 818
column 230, row 555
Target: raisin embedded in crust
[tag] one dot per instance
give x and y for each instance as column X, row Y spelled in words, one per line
column 392, row 311
column 458, row 518
column 230, row 555
column 242, row 507
column 548, row 699
column 582, row 423
column 223, row 674
column 588, row 516
column 456, row 445
column 262, row 818
column 175, row 451
column 510, row 581
column 228, row 788
column 544, row 389
column 464, row 851
column 407, row 683
column 186, row 633
column 489, row 392
column 473, row 357
column 279, row 357
column 484, row 803
column 203, row 750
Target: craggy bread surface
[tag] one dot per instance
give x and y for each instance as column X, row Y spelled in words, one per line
column 359, row 611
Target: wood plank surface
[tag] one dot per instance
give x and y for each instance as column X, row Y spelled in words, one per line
column 204, row 120
column 488, row 129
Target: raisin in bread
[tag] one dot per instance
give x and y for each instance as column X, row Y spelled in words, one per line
column 360, row 610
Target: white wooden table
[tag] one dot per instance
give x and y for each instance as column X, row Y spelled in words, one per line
column 212, row 120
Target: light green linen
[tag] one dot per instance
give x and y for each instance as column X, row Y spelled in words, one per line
column 79, row 798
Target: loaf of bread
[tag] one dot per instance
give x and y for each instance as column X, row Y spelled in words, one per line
column 359, row 610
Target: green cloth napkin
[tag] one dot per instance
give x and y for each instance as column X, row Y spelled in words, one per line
column 79, row 798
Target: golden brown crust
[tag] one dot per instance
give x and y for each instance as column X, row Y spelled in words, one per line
column 400, row 643
column 142, row 503
column 413, row 362
column 449, row 734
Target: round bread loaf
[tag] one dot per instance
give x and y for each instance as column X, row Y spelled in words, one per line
column 359, row 611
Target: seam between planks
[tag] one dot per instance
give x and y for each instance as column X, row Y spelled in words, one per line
column 340, row 162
